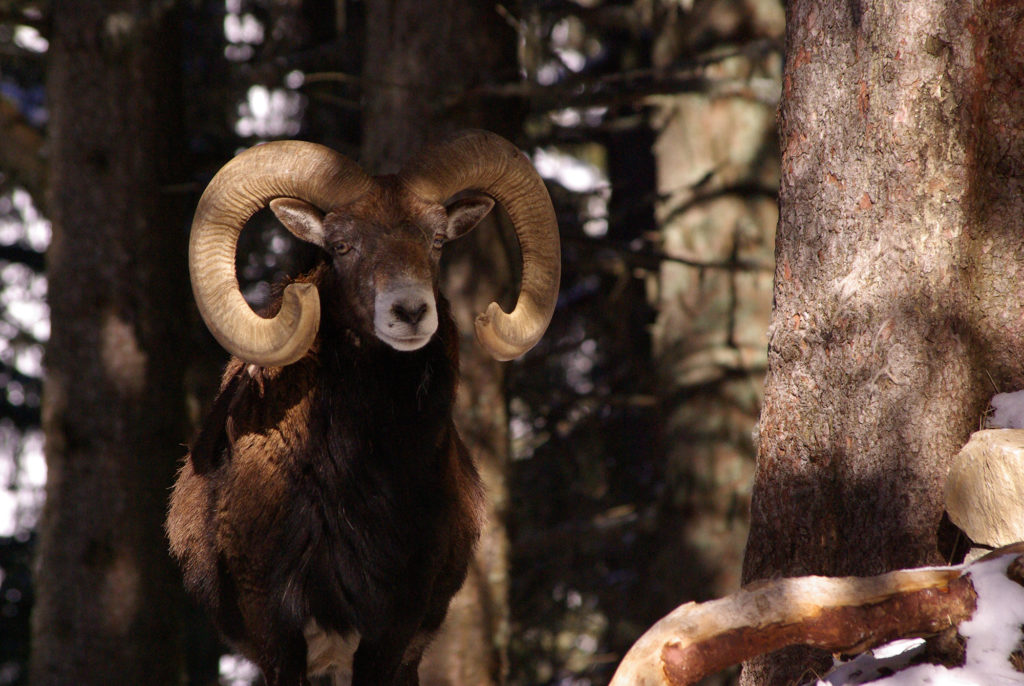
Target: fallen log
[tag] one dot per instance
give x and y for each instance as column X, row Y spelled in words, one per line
column 842, row 615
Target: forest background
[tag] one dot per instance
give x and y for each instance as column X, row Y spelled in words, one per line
column 619, row 454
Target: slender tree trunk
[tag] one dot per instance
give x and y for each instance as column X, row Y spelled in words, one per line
column 422, row 57
column 899, row 264
column 709, row 335
column 717, row 162
column 107, row 598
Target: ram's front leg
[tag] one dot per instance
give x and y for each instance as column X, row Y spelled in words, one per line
column 391, row 660
column 283, row 662
column 274, row 642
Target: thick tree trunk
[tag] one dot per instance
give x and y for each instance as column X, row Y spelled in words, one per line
column 422, row 58
column 107, row 598
column 899, row 263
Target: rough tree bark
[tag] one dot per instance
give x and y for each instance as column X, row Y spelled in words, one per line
column 422, row 57
column 899, row 259
column 107, row 597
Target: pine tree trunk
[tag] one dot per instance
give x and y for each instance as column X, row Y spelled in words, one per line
column 422, row 58
column 107, row 597
column 897, row 287
column 717, row 175
column 716, row 191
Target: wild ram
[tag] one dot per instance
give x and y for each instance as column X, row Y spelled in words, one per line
column 328, row 500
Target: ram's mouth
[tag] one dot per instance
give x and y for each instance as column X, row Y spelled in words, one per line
column 405, row 343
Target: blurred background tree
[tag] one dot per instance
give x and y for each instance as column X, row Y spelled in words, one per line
column 618, row 453
column 113, row 403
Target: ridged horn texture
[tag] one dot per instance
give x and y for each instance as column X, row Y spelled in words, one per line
column 485, row 162
column 293, row 169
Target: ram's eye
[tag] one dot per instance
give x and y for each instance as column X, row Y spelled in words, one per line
column 438, row 241
column 341, row 248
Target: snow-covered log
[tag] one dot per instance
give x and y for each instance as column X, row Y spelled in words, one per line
column 843, row 615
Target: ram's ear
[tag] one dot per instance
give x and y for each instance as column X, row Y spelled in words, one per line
column 466, row 212
column 302, row 219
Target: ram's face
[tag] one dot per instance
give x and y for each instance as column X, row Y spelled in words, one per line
column 389, row 276
column 385, row 250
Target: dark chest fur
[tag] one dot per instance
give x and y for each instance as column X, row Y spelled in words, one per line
column 384, row 486
column 374, row 507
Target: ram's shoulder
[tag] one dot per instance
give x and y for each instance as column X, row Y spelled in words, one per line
column 251, row 401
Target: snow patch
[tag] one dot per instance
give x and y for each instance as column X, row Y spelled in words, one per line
column 1008, row 411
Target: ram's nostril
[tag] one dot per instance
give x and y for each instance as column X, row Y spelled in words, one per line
column 409, row 314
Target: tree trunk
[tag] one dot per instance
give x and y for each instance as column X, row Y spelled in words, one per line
column 107, row 597
column 422, row 57
column 717, row 177
column 899, row 263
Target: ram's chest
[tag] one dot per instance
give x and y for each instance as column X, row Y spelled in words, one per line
column 375, row 531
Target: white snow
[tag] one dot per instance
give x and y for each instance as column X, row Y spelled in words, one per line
column 874, row 664
column 991, row 635
column 1008, row 411
column 24, row 311
column 269, row 113
column 578, row 176
column 571, row 172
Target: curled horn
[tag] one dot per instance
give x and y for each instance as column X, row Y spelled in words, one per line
column 293, row 169
column 485, row 162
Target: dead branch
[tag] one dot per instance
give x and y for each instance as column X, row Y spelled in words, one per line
column 651, row 258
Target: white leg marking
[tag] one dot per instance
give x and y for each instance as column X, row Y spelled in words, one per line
column 330, row 653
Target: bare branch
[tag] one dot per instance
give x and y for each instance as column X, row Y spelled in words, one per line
column 650, row 258
column 586, row 90
column 13, row 13
column 22, row 255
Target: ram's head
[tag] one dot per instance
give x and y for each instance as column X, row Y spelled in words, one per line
column 384, row 236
